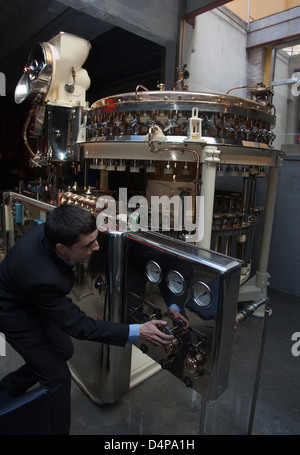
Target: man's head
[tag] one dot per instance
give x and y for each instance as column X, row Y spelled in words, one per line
column 73, row 232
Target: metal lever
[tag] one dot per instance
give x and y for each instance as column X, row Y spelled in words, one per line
column 178, row 322
column 156, row 309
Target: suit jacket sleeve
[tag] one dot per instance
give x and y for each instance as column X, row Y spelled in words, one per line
column 72, row 320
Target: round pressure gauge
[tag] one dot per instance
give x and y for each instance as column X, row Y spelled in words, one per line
column 202, row 295
column 175, row 282
column 153, row 272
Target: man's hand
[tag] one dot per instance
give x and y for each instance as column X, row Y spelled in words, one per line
column 150, row 332
column 179, row 316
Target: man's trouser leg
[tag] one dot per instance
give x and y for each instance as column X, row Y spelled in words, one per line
column 46, row 365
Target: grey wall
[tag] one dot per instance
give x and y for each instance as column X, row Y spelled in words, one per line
column 284, row 259
column 215, row 53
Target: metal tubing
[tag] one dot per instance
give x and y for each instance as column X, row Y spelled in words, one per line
column 258, row 369
column 244, row 314
column 202, row 416
column 24, row 133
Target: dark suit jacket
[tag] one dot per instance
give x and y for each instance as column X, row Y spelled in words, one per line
column 34, row 283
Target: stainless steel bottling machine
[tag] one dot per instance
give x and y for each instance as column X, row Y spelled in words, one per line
column 205, row 152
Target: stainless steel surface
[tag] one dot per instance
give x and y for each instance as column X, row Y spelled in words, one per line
column 37, row 74
column 101, row 370
column 201, row 357
column 63, row 124
column 136, row 267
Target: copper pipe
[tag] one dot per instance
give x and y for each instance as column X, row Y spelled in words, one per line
column 243, row 86
column 24, row 135
column 140, row 86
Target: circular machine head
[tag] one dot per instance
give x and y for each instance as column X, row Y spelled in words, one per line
column 37, row 74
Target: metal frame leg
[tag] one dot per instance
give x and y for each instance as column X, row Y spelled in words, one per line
column 258, row 369
column 202, row 416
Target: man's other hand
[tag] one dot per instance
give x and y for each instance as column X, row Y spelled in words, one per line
column 179, row 316
column 150, row 332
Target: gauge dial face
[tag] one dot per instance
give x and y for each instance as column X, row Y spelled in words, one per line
column 175, row 282
column 153, row 272
column 201, row 294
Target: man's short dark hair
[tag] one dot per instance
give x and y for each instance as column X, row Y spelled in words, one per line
column 67, row 222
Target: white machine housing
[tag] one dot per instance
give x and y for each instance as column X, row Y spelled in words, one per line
column 54, row 72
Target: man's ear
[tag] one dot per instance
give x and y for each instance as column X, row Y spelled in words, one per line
column 61, row 249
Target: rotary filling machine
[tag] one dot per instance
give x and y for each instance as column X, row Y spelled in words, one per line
column 152, row 144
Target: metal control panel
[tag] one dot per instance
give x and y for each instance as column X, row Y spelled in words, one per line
column 203, row 285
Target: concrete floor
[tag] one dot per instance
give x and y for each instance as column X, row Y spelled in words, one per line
column 163, row 405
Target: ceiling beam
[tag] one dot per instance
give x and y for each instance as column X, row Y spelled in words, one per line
column 156, row 20
column 275, row 29
column 205, row 5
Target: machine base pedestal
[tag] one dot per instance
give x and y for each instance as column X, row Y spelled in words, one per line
column 142, row 367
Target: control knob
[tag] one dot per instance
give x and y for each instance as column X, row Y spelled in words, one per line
column 100, row 283
column 172, row 347
column 194, row 364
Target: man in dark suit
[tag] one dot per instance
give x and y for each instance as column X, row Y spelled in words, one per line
column 38, row 318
